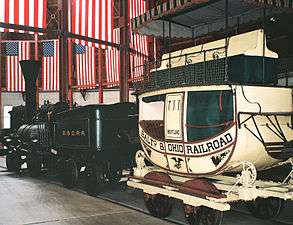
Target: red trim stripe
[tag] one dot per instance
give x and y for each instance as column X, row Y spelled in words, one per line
column 100, row 21
column 86, row 19
column 16, row 13
column 36, row 12
column 73, row 19
column 6, row 17
column 94, row 21
column 79, row 19
column 45, row 13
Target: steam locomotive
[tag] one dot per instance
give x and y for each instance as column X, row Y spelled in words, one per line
column 92, row 140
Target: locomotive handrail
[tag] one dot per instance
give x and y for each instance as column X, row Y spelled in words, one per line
column 157, row 63
column 210, row 126
column 252, row 114
column 188, row 54
column 267, row 113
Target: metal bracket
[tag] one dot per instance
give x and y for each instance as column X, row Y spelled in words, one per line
column 141, row 169
column 275, row 124
column 289, row 178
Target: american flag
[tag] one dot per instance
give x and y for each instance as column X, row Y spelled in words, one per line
column 138, row 42
column 50, row 65
column 92, row 18
column 85, row 66
column 113, row 61
column 16, row 51
column 23, row 12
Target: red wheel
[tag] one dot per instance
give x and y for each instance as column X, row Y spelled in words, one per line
column 202, row 215
column 158, row 205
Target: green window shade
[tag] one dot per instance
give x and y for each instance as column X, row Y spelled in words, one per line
column 249, row 70
column 208, row 113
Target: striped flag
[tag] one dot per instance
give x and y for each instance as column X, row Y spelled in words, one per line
column 113, row 61
column 138, row 42
column 137, row 61
column 92, row 18
column 85, row 66
column 137, row 7
column 16, row 51
column 23, row 12
column 50, row 65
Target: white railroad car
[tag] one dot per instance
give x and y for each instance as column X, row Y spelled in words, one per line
column 220, row 113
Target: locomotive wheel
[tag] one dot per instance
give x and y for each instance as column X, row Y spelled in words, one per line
column 266, row 208
column 69, row 173
column 95, row 179
column 114, row 176
column 34, row 165
column 13, row 162
column 202, row 215
column 158, row 205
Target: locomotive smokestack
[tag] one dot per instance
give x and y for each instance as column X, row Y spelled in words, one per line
column 30, row 70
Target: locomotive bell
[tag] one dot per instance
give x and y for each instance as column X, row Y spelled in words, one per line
column 30, row 70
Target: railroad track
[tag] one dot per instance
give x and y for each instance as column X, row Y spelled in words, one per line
column 133, row 199
column 114, row 198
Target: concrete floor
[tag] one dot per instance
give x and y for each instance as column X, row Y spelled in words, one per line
column 25, row 201
column 28, row 201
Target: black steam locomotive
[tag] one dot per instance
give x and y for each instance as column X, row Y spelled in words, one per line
column 98, row 141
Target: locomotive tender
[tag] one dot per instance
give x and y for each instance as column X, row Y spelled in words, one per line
column 101, row 138
column 98, row 141
column 212, row 136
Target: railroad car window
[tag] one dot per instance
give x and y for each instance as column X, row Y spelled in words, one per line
column 151, row 113
column 152, row 108
column 208, row 113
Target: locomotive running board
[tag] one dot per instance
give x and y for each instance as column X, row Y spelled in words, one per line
column 174, row 193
